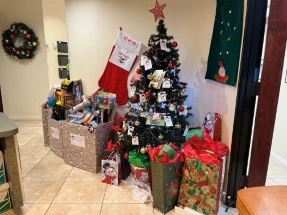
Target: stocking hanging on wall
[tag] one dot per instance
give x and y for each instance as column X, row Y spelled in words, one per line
column 225, row 45
column 123, row 56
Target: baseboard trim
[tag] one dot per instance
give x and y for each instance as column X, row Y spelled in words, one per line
column 14, row 118
column 278, row 158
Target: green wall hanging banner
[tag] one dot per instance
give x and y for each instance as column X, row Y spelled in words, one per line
column 224, row 53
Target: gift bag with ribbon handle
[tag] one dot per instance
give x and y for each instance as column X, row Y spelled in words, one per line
column 111, row 169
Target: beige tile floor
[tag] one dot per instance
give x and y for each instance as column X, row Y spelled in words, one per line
column 54, row 188
column 277, row 173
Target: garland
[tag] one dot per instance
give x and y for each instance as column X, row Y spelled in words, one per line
column 20, row 31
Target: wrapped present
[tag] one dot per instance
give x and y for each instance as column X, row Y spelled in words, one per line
column 212, row 125
column 56, row 137
column 5, row 200
column 202, row 172
column 166, row 169
column 46, row 114
column 111, row 169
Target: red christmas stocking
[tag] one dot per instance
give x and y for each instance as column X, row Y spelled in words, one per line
column 114, row 80
column 123, row 56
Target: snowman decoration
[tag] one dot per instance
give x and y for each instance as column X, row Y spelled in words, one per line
column 208, row 124
column 221, row 76
column 109, row 175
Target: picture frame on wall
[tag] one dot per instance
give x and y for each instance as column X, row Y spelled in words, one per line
column 62, row 47
column 63, row 60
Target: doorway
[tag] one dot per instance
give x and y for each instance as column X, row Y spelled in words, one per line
column 257, row 99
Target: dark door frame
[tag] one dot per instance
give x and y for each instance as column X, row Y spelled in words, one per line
column 245, row 105
column 269, row 93
column 1, row 103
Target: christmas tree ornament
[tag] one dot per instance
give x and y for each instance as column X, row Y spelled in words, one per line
column 147, row 94
column 128, row 105
column 126, row 156
column 143, row 150
column 27, row 55
column 28, row 36
column 12, row 36
column 171, row 107
column 24, row 32
column 170, row 65
column 160, row 137
column 125, row 128
column 158, row 11
column 182, row 93
column 17, row 52
column 7, row 41
column 178, row 125
column 137, row 122
column 28, row 52
column 139, row 71
column 174, row 44
column 135, row 98
column 22, row 52
column 181, row 108
column 34, row 43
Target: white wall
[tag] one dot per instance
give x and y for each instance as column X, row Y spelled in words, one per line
column 23, row 82
column 279, row 146
column 93, row 27
column 54, row 16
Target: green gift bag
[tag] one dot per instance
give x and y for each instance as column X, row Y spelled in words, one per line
column 166, row 178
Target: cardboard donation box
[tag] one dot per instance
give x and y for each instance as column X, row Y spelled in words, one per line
column 56, row 137
column 83, row 149
column 46, row 114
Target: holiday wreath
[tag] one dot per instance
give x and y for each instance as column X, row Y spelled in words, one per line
column 20, row 41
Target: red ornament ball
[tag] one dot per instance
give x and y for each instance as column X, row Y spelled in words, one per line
column 174, row 44
column 105, row 102
column 139, row 71
column 28, row 36
column 12, row 36
column 28, row 52
column 147, row 94
column 134, row 98
column 17, row 52
column 170, row 65
column 181, row 108
column 126, row 156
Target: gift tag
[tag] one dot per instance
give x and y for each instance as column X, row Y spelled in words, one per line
column 186, row 130
column 133, row 90
column 135, row 141
column 168, row 121
column 131, row 130
column 184, row 113
column 144, row 59
column 142, row 98
column 156, row 116
column 161, row 96
column 163, row 45
column 148, row 65
column 166, row 83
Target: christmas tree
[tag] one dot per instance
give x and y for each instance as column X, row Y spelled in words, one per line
column 157, row 114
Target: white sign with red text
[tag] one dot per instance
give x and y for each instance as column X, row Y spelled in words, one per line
column 122, row 58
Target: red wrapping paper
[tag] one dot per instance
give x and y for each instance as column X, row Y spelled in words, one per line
column 154, row 152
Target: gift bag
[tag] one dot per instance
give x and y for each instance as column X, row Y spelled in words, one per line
column 200, row 186
column 212, row 125
column 111, row 172
column 166, row 178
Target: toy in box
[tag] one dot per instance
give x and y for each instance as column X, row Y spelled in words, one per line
column 104, row 100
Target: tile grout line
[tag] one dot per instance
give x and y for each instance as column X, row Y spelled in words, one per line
column 59, row 191
column 36, row 163
column 103, row 200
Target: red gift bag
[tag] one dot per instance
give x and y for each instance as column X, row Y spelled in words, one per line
column 212, row 125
